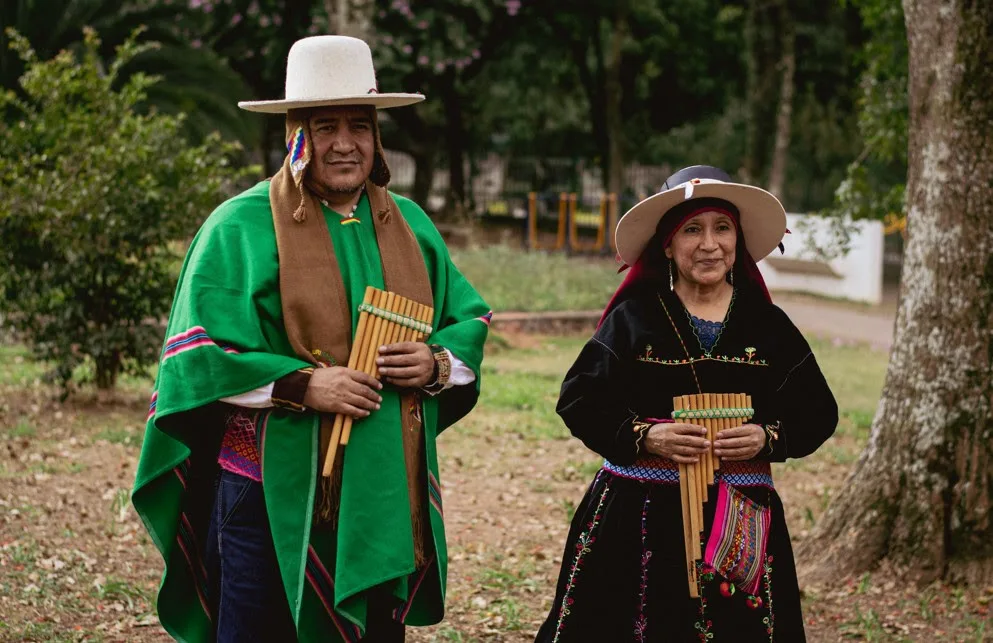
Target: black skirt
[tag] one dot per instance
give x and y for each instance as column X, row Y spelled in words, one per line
column 623, row 575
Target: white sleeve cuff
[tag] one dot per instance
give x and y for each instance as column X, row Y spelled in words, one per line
column 461, row 374
column 259, row 398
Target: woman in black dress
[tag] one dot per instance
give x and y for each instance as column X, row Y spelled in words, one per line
column 692, row 316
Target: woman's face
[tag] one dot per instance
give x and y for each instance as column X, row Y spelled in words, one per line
column 703, row 248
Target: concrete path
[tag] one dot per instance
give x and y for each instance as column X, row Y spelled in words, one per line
column 824, row 318
column 839, row 320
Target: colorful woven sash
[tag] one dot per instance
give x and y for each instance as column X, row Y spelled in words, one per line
column 652, row 468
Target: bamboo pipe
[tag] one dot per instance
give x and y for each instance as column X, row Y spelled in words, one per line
column 687, row 513
column 353, row 357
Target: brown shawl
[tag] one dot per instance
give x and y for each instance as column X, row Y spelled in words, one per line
column 316, row 312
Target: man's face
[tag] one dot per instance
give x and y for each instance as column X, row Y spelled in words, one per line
column 344, row 147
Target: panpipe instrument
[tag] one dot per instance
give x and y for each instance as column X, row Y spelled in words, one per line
column 715, row 412
column 384, row 318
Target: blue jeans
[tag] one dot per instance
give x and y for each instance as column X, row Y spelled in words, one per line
column 249, row 601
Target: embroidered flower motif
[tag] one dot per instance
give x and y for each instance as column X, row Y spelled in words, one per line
column 583, row 544
column 704, row 624
column 641, row 620
column 750, row 360
column 770, row 620
column 750, row 352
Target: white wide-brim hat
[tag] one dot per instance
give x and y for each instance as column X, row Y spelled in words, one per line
column 330, row 70
column 762, row 216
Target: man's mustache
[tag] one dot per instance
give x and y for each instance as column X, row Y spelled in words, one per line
column 352, row 158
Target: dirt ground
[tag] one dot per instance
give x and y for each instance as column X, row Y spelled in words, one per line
column 75, row 563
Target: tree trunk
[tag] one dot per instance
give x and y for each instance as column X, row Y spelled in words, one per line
column 750, row 166
column 272, row 134
column 423, row 175
column 593, row 83
column 455, row 209
column 920, row 494
column 107, row 367
column 784, row 117
column 614, row 177
column 422, row 141
column 761, row 57
column 350, row 17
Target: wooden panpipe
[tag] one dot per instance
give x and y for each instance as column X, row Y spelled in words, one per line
column 715, row 412
column 384, row 318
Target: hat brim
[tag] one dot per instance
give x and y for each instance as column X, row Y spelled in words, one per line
column 379, row 101
column 763, row 219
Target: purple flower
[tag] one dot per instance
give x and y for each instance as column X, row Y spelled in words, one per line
column 513, row 6
column 195, row 4
column 423, row 24
column 265, row 21
column 235, row 19
column 196, row 44
column 422, row 60
column 476, row 54
column 439, row 67
column 207, row 7
column 387, row 40
column 277, row 19
column 407, row 49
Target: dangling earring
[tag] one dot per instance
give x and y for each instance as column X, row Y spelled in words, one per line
column 730, row 277
column 670, row 275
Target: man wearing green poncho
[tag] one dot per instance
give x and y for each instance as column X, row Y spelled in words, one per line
column 258, row 545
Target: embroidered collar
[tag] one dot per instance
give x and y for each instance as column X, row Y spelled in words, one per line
column 707, row 353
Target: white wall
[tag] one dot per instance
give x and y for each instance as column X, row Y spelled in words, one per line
column 857, row 276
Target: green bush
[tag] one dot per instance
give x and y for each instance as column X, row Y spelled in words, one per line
column 93, row 192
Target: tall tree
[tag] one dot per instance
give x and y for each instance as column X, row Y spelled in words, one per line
column 254, row 38
column 93, row 194
column 920, row 495
column 784, row 114
column 874, row 184
column 761, row 59
column 643, row 67
column 196, row 81
column 613, row 94
column 439, row 48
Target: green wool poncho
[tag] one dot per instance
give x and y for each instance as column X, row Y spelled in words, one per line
column 225, row 337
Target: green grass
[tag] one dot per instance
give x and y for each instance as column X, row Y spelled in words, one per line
column 17, row 367
column 856, row 376
column 122, row 592
column 509, row 279
column 23, row 429
column 125, row 435
column 20, row 368
column 520, row 390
